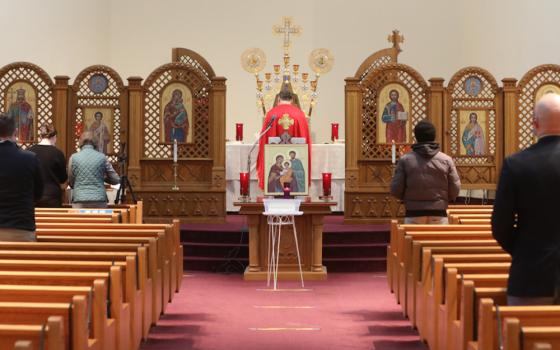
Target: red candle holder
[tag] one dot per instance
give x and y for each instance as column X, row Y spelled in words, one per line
column 334, row 132
column 239, row 132
column 244, row 185
column 327, row 177
column 287, row 190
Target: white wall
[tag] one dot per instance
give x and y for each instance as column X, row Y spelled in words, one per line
column 136, row 36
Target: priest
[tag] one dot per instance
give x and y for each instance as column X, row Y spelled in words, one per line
column 287, row 121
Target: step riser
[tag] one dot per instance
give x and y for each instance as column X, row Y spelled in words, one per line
column 365, row 252
column 355, row 237
column 213, row 251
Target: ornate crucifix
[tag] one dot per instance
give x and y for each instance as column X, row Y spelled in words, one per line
column 287, row 29
column 396, row 38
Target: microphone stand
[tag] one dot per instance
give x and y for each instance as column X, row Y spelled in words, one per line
column 268, row 127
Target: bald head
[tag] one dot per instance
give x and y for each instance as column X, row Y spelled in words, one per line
column 547, row 115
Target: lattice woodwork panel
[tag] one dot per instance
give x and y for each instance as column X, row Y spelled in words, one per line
column 528, row 87
column 40, row 81
column 190, row 61
column 373, row 206
column 109, row 97
column 483, row 99
column 392, row 73
column 376, row 64
column 199, row 85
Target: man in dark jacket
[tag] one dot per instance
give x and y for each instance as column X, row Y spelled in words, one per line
column 21, row 185
column 525, row 218
column 425, row 179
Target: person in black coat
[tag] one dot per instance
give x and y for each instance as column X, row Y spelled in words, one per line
column 53, row 167
column 526, row 216
column 21, row 185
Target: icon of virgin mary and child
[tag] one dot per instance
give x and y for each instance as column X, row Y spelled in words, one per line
column 175, row 119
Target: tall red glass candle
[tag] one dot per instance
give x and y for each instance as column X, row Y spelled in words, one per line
column 327, row 184
column 334, row 132
column 244, row 184
column 239, row 132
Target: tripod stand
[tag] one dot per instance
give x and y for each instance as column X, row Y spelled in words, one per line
column 124, row 184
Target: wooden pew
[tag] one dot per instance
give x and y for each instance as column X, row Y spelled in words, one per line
column 399, row 232
column 457, row 219
column 171, row 243
column 74, row 318
column 114, row 217
column 51, row 334
column 433, row 292
column 517, row 337
column 112, row 331
column 451, row 294
column 405, row 248
column 490, row 317
column 410, row 269
column 139, row 319
column 473, row 289
column 414, row 270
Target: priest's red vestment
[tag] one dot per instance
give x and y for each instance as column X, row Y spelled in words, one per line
column 288, row 119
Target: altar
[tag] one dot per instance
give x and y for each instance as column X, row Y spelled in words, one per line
column 325, row 158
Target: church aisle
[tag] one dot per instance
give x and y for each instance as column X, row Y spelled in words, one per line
column 349, row 311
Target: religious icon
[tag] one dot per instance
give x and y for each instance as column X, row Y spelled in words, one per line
column 21, row 104
column 392, row 110
column 99, row 121
column 176, row 114
column 286, row 164
column 473, row 132
column 98, row 83
column 546, row 89
column 473, row 86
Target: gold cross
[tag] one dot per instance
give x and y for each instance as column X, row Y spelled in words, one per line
column 396, row 38
column 286, row 121
column 287, row 29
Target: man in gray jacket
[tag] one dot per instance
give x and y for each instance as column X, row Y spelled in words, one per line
column 426, row 179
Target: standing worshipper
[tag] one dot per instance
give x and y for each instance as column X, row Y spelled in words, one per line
column 426, row 179
column 88, row 170
column 21, row 185
column 525, row 217
column 53, row 167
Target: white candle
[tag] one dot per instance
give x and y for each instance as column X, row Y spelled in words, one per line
column 393, row 152
column 174, row 151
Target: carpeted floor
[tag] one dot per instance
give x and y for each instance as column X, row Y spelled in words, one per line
column 349, row 311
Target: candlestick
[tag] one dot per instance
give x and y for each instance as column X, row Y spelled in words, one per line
column 175, row 151
column 393, row 152
column 239, row 132
column 334, row 132
column 175, row 187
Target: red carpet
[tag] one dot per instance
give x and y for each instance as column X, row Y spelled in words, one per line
column 349, row 311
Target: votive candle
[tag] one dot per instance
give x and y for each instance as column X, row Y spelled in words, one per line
column 334, row 132
column 239, row 132
column 327, row 177
column 244, row 184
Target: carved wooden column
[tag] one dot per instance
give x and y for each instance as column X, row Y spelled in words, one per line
column 136, row 130
column 317, row 262
column 218, row 130
column 61, row 112
column 352, row 127
column 510, row 116
column 436, row 108
column 253, row 221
